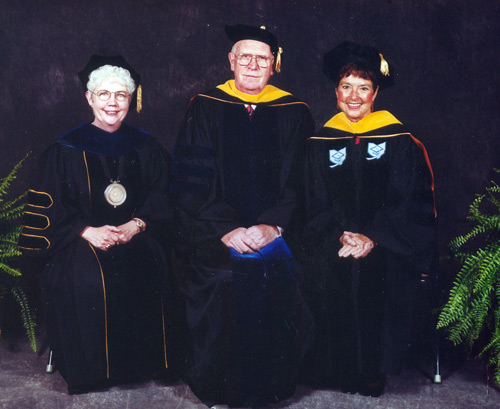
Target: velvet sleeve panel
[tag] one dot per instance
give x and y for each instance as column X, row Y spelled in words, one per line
column 196, row 182
column 54, row 216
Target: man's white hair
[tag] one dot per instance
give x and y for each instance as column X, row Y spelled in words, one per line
column 235, row 45
column 110, row 72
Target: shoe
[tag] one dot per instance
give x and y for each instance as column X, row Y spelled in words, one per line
column 349, row 386
column 372, row 386
column 79, row 389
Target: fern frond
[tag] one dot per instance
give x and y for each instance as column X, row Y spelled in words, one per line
column 460, row 241
column 493, row 344
column 480, row 308
column 9, row 239
column 9, row 270
column 473, row 307
column 488, row 270
column 8, row 244
column 460, row 294
column 10, row 254
column 10, row 211
column 458, row 331
column 27, row 315
column 7, row 181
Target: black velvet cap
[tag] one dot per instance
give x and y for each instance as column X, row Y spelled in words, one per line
column 243, row 32
column 350, row 52
column 97, row 61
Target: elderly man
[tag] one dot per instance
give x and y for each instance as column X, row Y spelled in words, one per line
column 236, row 173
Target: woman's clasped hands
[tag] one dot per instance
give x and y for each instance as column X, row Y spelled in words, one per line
column 356, row 245
column 104, row 237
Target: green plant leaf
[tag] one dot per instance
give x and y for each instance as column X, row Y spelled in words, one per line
column 472, row 312
column 10, row 211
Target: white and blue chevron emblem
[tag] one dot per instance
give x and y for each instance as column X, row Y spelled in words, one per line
column 337, row 157
column 375, row 151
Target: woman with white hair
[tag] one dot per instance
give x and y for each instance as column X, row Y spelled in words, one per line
column 100, row 201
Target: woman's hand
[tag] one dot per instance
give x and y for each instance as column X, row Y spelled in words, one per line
column 356, row 245
column 101, row 237
column 127, row 231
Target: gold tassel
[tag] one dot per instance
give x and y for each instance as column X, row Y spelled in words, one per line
column 384, row 66
column 278, row 54
column 278, row 59
column 139, row 98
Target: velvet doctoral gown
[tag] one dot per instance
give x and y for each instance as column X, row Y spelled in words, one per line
column 371, row 177
column 231, row 170
column 105, row 311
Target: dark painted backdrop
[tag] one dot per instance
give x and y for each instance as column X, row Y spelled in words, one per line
column 446, row 54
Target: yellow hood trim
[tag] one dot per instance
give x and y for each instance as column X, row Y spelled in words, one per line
column 268, row 94
column 370, row 122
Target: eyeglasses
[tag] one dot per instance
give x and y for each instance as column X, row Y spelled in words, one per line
column 245, row 59
column 104, row 95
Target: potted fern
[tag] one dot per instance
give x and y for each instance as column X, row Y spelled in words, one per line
column 10, row 275
column 472, row 313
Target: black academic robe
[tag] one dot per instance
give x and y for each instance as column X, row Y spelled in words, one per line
column 105, row 311
column 233, row 171
column 371, row 177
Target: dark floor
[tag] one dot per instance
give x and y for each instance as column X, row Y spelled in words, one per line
column 25, row 385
